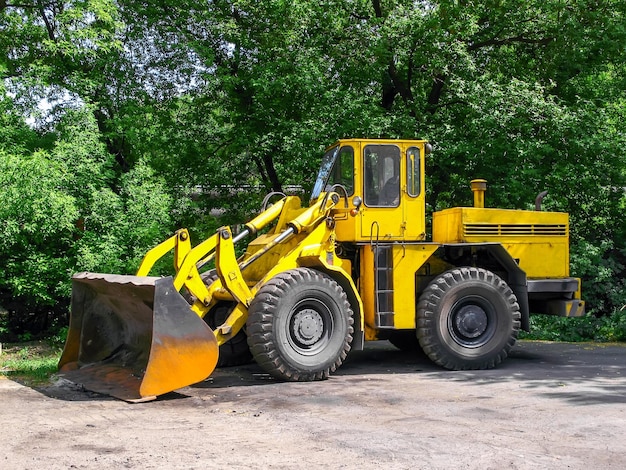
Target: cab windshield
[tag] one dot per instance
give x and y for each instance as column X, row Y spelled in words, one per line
column 322, row 177
column 337, row 168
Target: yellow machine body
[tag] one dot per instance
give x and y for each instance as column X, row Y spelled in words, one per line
column 316, row 281
column 539, row 240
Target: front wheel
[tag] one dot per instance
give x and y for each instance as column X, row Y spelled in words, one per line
column 300, row 325
column 467, row 318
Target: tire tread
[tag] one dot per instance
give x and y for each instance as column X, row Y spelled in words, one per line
column 261, row 322
column 427, row 317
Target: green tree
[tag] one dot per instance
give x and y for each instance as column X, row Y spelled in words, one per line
column 64, row 211
column 192, row 109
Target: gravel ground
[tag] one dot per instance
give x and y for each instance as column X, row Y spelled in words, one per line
column 550, row 405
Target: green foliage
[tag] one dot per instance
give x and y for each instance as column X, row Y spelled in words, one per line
column 186, row 113
column 15, row 135
column 602, row 268
column 587, row 328
column 120, row 228
column 58, row 337
column 62, row 212
column 55, row 48
column 38, row 227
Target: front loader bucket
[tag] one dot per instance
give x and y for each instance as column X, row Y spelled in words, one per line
column 134, row 337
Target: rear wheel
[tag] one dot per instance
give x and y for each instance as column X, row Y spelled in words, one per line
column 300, row 325
column 467, row 318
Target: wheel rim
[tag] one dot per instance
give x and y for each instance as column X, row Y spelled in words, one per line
column 310, row 326
column 472, row 321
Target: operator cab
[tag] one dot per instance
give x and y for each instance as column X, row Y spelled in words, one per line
column 384, row 183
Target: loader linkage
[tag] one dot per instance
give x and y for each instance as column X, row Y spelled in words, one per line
column 136, row 337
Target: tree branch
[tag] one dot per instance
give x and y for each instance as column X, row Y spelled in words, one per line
column 435, row 93
column 377, row 8
column 49, row 27
column 512, row 40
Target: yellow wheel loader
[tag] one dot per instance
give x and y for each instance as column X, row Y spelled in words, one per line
column 316, row 282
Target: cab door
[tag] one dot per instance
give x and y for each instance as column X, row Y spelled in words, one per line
column 393, row 193
column 381, row 215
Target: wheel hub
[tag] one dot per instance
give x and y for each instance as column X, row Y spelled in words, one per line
column 471, row 321
column 308, row 327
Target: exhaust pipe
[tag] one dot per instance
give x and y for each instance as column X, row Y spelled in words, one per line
column 479, row 187
column 539, row 200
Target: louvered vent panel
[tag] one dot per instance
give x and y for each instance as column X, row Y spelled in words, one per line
column 470, row 230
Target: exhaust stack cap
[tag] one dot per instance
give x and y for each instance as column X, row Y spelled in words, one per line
column 479, row 186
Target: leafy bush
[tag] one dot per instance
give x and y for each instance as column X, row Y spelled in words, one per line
column 38, row 227
column 587, row 328
column 120, row 227
column 601, row 267
column 63, row 210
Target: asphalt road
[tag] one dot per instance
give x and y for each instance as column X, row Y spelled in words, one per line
column 550, row 405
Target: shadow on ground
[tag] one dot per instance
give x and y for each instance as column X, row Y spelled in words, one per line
column 582, row 374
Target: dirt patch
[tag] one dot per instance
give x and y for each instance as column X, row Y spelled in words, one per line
column 549, row 405
column 35, row 348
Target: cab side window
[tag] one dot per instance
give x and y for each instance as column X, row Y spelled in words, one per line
column 413, row 171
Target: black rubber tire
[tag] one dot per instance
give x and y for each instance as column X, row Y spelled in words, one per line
column 405, row 340
column 467, row 318
column 235, row 352
column 300, row 325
